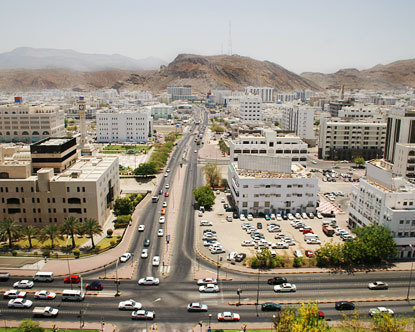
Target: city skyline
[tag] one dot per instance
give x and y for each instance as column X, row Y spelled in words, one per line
column 322, row 36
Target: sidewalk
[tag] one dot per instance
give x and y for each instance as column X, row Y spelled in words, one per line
column 105, row 327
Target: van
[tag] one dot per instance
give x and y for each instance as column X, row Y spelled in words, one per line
column 72, row 295
column 43, row 276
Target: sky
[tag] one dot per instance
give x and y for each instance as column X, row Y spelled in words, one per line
column 300, row 35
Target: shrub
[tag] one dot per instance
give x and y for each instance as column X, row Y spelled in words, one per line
column 14, row 252
column 298, row 262
column 76, row 253
column 46, row 253
column 28, row 325
column 109, row 232
column 112, row 244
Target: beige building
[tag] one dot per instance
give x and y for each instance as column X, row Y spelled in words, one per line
column 25, row 123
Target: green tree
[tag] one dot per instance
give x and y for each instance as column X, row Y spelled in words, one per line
column 330, row 254
column 317, row 122
column 353, row 322
column 30, row 232
column 387, row 323
column 204, row 196
column 70, row 227
column 146, row 169
column 28, row 325
column 224, row 183
column 50, row 232
column 359, row 161
column 123, row 206
column 91, row 227
column 10, row 229
column 212, row 174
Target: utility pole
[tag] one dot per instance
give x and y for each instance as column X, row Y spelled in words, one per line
column 410, row 276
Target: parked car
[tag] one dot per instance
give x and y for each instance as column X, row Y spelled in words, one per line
column 267, row 217
column 259, row 225
column 205, row 223
column 272, row 216
column 309, row 253
column 206, row 281
column 298, row 253
column 380, row 311
column 240, row 257
column 229, row 218
column 250, row 217
column 166, row 194
column 247, row 243
column 344, row 305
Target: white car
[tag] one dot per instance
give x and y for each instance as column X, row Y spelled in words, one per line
column 279, row 217
column 162, row 219
column 160, row 232
column 242, row 217
column 164, row 204
column 166, row 175
column 148, row 281
column 195, row 151
column 297, row 215
column 232, row 255
column 280, row 245
column 378, row 285
column 228, row 317
column 144, row 253
column 247, row 243
column 313, row 241
column 205, row 223
column 272, row 217
column 208, row 243
column 197, row 307
column 143, row 314
column 209, row 288
column 13, row 294
column 380, row 311
column 141, row 228
column 200, row 213
column 44, row 295
column 125, row 257
column 250, row 217
column 218, row 250
column 156, row 261
column 285, row 287
column 290, row 216
column 23, row 284
column 167, row 186
column 304, row 215
column 19, row 303
column 206, row 281
column 319, row 215
column 129, row 305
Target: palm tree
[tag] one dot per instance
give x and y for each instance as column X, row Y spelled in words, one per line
column 9, row 228
column 91, row 227
column 70, row 227
column 29, row 232
column 50, row 232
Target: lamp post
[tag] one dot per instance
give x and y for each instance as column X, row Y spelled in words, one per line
column 67, row 261
column 201, row 325
column 210, row 317
column 116, row 278
column 239, row 291
column 218, row 268
column 410, row 275
column 272, row 322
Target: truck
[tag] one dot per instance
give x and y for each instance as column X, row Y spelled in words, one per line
column 328, row 230
column 45, row 312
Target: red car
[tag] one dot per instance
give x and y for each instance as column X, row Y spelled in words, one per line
column 166, row 194
column 307, row 230
column 73, row 279
column 309, row 253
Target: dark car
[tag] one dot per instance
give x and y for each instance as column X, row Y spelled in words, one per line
column 226, row 206
column 258, row 225
column 344, row 305
column 235, row 215
column 240, row 257
column 160, row 192
column 285, row 217
column 270, row 306
column 95, row 285
column 277, row 281
column 147, row 242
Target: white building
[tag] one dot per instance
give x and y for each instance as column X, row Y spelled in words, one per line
column 180, row 92
column 388, row 200
column 261, row 184
column 346, row 139
column 300, row 120
column 404, row 161
column 26, row 123
column 124, row 125
column 266, row 94
column 161, row 111
column 250, row 109
column 360, row 111
column 286, row 97
column 269, row 144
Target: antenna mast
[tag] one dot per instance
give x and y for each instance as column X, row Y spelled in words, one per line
column 230, row 38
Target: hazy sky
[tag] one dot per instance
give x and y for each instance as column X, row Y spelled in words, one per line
column 303, row 35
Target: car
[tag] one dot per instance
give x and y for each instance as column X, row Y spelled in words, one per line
column 160, row 232
column 270, row 306
column 309, row 253
column 298, row 253
column 378, row 285
column 259, row 225
column 200, row 213
column 228, row 317
column 267, row 217
column 297, row 215
column 272, row 216
column 319, row 215
column 205, row 223
column 141, row 228
column 226, row 206
column 14, row 294
column 206, row 281
column 285, row 287
column 277, row 281
column 247, row 243
column 143, row 314
column 125, row 257
column 162, row 219
column 195, row 151
column 209, row 288
column 304, row 215
column 166, row 175
column 380, row 311
column 23, row 284
column 19, row 303
column 95, row 285
column 232, row 255
column 72, row 279
column 229, row 218
column 160, row 191
column 242, row 217
column 168, row 170
column 163, row 211
column 44, row 295
column 167, row 186
column 156, row 261
column 217, row 250
column 129, row 305
column 197, row 307
column 149, row 281
column 250, row 217
column 290, row 216
column 344, row 305
column 144, row 253
column 164, row 204
column 146, row 242
column 279, row 217
column 311, row 215
column 235, row 215
column 166, row 194
column 240, row 257
column 210, row 242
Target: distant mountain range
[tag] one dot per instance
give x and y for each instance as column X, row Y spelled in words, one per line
column 49, row 58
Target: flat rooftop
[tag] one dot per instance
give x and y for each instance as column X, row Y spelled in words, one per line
column 86, row 169
column 297, row 171
column 55, row 141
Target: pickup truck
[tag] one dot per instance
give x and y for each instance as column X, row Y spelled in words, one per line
column 45, row 312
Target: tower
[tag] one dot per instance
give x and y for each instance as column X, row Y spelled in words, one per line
column 86, row 149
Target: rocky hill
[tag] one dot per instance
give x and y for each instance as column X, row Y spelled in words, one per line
column 396, row 75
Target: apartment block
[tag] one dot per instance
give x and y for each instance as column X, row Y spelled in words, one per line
column 180, row 92
column 298, row 119
column 265, row 93
column 250, row 109
column 404, row 163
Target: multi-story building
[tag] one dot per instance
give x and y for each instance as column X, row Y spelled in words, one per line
column 359, row 111
column 286, row 97
column 404, row 162
column 266, row 94
column 298, row 119
column 86, row 188
column 261, row 184
column 385, row 199
column 269, row 144
column 180, row 92
column 25, row 123
column 161, row 111
column 124, row 125
column 346, row 139
column 250, row 109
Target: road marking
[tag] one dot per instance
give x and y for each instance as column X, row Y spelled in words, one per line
column 158, row 299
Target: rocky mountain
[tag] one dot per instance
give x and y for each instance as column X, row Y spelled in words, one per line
column 48, row 58
column 396, row 75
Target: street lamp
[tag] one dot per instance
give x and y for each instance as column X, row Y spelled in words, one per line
column 239, row 291
column 257, row 294
column 201, row 325
column 210, row 317
column 67, row 261
column 116, row 278
column 272, row 323
column 410, row 275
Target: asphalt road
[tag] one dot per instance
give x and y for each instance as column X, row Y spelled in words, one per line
column 170, row 298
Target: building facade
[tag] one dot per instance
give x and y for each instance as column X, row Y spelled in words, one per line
column 404, row 163
column 266, row 94
column 250, row 109
column 180, row 92
column 124, row 126
column 298, row 119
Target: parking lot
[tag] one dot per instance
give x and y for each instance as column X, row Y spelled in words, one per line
column 230, row 234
